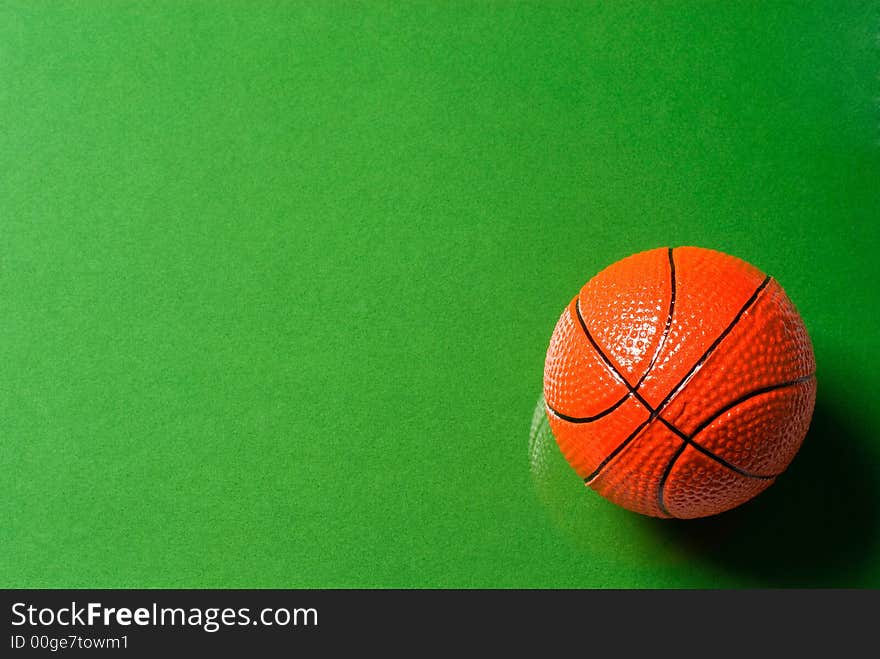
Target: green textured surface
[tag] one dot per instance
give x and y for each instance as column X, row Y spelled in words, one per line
column 277, row 280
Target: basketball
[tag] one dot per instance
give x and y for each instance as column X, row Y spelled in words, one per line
column 680, row 382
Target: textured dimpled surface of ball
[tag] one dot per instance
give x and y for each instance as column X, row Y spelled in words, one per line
column 680, row 382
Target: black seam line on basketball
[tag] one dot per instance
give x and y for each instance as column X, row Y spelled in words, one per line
column 614, row 371
column 587, row 419
column 662, row 486
column 668, row 326
column 756, row 392
column 611, row 367
column 660, row 344
column 709, row 454
column 724, row 334
column 689, row 440
column 614, row 453
column 681, row 383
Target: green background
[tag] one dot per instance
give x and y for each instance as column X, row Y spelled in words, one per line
column 277, row 281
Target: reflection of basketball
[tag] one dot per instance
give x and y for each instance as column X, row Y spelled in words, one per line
column 680, row 382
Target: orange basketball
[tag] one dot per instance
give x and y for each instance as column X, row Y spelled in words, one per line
column 680, row 382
